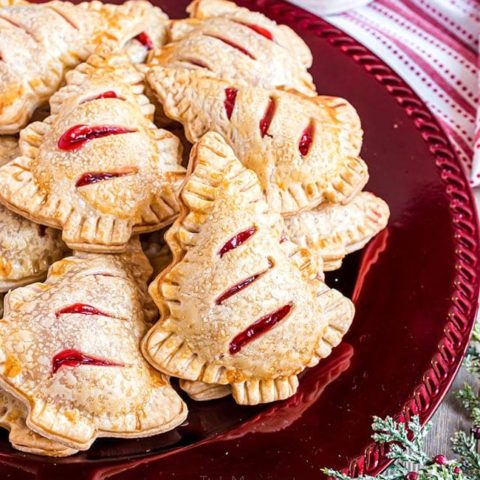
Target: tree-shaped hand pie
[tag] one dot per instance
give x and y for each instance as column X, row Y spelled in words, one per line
column 240, row 304
column 12, row 417
column 303, row 149
column 334, row 231
column 69, row 349
column 40, row 42
column 236, row 44
column 97, row 168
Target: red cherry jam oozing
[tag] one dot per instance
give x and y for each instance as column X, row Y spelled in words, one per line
column 267, row 117
column 258, row 29
column 237, row 240
column 80, row 308
column 261, row 326
column 232, row 44
column 75, row 358
column 76, row 136
column 108, row 94
column 145, row 40
column 238, row 287
column 306, row 139
column 88, row 178
column 229, row 102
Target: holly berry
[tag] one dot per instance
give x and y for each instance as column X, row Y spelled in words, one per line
column 412, row 476
column 475, row 430
column 440, row 460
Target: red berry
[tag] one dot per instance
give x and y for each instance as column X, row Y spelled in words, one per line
column 476, row 432
column 440, row 460
column 457, row 470
column 412, row 476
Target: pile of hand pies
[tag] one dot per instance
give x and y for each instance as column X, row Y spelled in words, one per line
column 172, row 192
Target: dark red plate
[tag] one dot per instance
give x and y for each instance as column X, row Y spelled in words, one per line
column 415, row 288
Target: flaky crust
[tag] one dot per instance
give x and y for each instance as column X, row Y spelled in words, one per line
column 26, row 249
column 12, row 417
column 203, row 9
column 219, row 199
column 8, row 148
column 334, row 231
column 156, row 29
column 76, row 403
column 265, row 129
column 238, row 45
column 43, row 183
column 40, row 42
column 203, row 392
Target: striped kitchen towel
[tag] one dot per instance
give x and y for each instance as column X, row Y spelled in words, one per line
column 434, row 46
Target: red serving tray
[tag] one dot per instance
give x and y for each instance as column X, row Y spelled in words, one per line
column 415, row 289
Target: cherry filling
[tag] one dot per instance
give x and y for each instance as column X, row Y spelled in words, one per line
column 229, row 102
column 195, row 62
column 237, row 240
column 233, row 45
column 94, row 177
column 258, row 29
column 241, row 285
column 17, row 25
column 108, row 94
column 74, row 358
column 306, row 139
column 267, row 117
column 78, row 135
column 62, row 15
column 81, row 308
column 145, row 40
column 261, row 326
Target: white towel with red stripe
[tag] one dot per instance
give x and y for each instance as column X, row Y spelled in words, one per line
column 434, row 46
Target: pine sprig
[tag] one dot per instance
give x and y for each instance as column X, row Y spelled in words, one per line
column 465, row 446
column 406, row 441
column 471, row 402
column 406, row 447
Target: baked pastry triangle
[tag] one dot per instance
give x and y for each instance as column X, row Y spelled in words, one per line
column 12, row 417
column 236, row 288
column 69, row 349
column 26, row 249
column 303, row 149
column 239, row 45
column 97, row 167
column 334, row 230
column 40, row 42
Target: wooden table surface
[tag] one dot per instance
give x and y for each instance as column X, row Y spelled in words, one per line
column 450, row 416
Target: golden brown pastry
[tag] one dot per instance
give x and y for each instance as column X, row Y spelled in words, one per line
column 97, row 167
column 12, row 417
column 40, row 42
column 236, row 288
column 303, row 149
column 26, row 249
column 236, row 44
column 334, row 230
column 69, row 349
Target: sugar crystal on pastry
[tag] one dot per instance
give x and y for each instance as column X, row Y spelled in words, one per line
column 69, row 349
column 97, row 167
column 236, row 290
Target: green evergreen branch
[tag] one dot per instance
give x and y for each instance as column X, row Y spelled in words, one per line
column 406, row 441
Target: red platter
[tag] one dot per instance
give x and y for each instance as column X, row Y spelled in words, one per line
column 415, row 287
